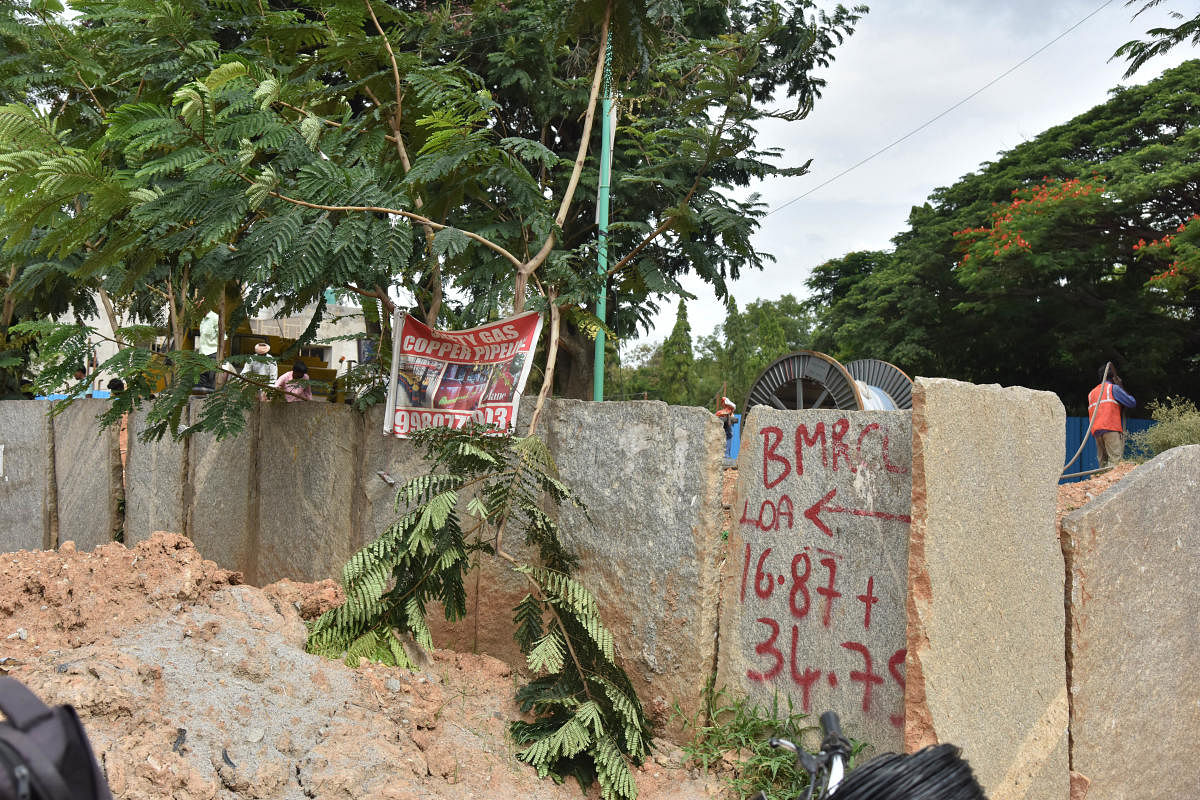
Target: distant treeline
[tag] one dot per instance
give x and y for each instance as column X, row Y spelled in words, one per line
column 1078, row 247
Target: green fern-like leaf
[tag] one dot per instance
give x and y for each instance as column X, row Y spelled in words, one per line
column 416, row 624
column 629, row 711
column 450, row 242
column 224, row 74
column 264, row 183
column 310, row 129
column 399, row 657
column 267, row 92
column 362, row 647
column 547, row 654
column 612, row 771
column 527, row 617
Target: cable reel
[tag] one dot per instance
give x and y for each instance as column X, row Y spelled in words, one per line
column 808, row 379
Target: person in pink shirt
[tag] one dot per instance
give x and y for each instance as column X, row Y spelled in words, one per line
column 294, row 384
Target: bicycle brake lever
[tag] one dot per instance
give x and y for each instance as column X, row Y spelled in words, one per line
column 784, row 743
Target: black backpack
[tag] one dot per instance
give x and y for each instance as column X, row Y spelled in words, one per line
column 44, row 752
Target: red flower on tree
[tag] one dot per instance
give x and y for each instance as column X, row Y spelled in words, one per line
column 1004, row 236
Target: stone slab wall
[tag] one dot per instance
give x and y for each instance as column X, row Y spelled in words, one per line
column 982, row 658
column 650, row 545
column 986, row 666
column 813, row 597
column 1134, row 565
column 308, row 484
column 87, row 469
column 24, row 475
column 221, row 509
column 308, row 459
column 155, row 477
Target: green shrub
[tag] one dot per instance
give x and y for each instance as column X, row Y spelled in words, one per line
column 582, row 716
column 1178, row 423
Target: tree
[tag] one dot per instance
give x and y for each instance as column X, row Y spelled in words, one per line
column 1040, row 266
column 726, row 361
column 677, row 360
column 265, row 153
column 753, row 339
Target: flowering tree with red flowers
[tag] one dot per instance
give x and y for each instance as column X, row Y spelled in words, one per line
column 1002, row 245
column 1181, row 250
column 1041, row 208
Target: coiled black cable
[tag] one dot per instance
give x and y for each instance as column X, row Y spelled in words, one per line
column 936, row 773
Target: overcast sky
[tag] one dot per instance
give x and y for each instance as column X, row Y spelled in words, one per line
column 908, row 62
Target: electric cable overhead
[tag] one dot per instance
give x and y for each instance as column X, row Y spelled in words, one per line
column 929, row 122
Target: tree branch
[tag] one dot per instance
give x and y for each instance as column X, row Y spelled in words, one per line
column 666, row 224
column 10, row 302
column 528, row 268
column 597, row 77
column 551, row 358
column 384, row 299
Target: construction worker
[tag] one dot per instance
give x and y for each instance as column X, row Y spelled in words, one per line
column 725, row 412
column 1105, row 403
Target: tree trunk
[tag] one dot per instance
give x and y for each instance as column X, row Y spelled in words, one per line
column 576, row 356
column 223, row 342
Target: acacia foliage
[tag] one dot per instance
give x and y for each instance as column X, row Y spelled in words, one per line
column 586, row 720
column 176, row 154
column 1036, row 269
column 1158, row 39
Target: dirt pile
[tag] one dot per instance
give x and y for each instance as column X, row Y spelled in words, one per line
column 192, row 686
column 1076, row 495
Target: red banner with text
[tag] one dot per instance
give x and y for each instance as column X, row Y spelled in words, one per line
column 450, row 378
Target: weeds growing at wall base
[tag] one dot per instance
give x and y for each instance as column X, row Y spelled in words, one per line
column 734, row 743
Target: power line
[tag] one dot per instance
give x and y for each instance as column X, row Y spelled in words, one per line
column 926, row 124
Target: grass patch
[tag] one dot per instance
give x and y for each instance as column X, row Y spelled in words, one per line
column 729, row 739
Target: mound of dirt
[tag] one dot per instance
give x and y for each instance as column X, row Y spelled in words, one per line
column 193, row 687
column 1076, row 495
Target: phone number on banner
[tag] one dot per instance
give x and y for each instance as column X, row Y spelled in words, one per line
column 409, row 420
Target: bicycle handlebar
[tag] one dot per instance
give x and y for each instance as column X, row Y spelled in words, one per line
column 831, row 724
column 829, row 763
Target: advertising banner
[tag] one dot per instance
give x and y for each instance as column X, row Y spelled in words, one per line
column 450, row 378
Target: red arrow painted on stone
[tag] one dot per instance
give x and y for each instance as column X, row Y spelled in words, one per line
column 814, row 511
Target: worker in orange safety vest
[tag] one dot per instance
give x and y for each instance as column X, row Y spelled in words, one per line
column 725, row 414
column 1105, row 405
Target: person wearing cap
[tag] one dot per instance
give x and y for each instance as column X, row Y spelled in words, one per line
column 725, row 412
column 1106, row 404
column 261, row 367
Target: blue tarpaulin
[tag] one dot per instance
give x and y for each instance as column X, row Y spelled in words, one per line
column 1088, row 460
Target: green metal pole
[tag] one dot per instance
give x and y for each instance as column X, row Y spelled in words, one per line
column 606, row 137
